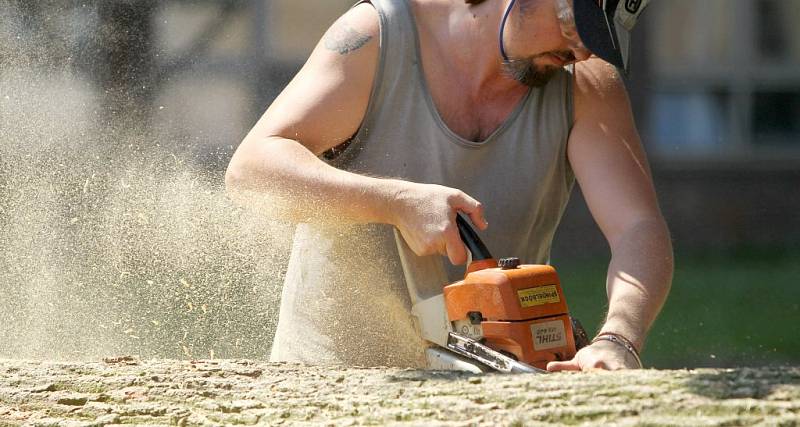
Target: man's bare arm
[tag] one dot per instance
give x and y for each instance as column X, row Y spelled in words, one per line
column 610, row 165
column 321, row 108
column 325, row 103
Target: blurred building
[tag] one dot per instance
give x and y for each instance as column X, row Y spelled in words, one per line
column 715, row 87
column 716, row 91
column 728, row 71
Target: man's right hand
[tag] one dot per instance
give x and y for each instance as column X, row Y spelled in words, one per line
column 425, row 215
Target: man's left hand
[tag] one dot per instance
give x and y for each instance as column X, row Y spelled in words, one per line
column 603, row 355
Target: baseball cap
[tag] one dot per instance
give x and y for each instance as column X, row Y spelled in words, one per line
column 605, row 27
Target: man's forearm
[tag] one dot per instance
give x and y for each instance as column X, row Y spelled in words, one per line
column 305, row 186
column 639, row 279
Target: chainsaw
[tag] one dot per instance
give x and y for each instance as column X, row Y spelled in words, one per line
column 503, row 316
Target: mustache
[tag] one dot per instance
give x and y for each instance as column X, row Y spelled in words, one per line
column 527, row 73
column 525, row 70
column 564, row 55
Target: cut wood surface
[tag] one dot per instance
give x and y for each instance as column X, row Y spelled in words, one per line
column 127, row 391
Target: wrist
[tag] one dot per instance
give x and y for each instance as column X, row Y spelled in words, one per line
column 621, row 342
column 387, row 194
column 633, row 334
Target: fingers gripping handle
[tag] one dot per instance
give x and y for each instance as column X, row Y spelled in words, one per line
column 471, row 239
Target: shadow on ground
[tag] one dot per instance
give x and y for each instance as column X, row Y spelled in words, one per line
column 742, row 383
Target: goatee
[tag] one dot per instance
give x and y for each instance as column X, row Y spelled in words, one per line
column 528, row 73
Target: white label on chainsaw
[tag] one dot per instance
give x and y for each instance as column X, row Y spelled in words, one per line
column 547, row 335
column 467, row 329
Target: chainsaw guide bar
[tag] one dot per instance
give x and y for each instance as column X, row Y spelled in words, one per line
column 484, row 355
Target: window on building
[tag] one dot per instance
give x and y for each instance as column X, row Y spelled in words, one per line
column 724, row 76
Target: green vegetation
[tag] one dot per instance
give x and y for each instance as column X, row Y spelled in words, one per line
column 737, row 308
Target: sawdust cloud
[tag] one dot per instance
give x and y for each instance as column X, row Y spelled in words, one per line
column 114, row 241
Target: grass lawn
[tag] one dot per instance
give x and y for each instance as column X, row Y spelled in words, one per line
column 725, row 309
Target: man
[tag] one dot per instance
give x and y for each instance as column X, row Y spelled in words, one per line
column 430, row 107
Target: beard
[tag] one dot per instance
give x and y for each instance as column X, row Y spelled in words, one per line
column 530, row 74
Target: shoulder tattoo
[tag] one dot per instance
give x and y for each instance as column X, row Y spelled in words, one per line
column 344, row 39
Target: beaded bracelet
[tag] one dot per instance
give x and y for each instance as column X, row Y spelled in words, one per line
column 620, row 340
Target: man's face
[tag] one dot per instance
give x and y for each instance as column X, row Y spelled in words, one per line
column 540, row 40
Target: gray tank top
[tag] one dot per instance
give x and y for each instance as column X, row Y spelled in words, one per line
column 344, row 299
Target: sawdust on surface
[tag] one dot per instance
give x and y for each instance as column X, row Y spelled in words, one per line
column 225, row 392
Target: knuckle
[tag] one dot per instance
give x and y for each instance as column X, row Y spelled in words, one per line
column 455, row 196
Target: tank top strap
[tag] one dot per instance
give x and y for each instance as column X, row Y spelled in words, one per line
column 396, row 73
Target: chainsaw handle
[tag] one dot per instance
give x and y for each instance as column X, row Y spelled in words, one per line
column 471, row 240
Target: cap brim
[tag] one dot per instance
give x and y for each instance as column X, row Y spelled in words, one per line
column 596, row 30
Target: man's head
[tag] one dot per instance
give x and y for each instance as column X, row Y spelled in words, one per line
column 538, row 37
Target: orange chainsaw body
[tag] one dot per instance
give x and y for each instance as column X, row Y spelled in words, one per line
column 519, row 310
